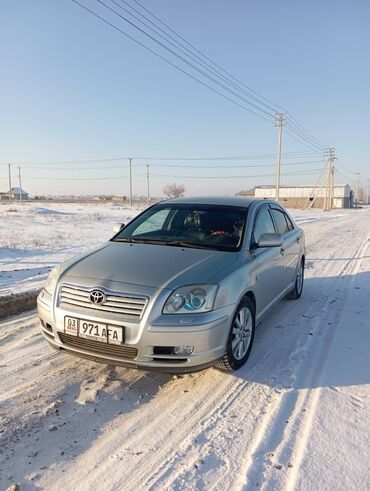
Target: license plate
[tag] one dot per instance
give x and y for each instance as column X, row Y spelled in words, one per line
column 98, row 331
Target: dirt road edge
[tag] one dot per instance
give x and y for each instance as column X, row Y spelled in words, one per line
column 16, row 303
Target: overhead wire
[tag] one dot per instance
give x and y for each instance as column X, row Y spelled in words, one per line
column 180, row 57
column 272, row 106
column 286, row 155
column 270, row 103
column 313, row 171
column 303, row 129
column 187, row 166
column 302, row 136
column 166, row 60
column 191, row 54
column 296, row 127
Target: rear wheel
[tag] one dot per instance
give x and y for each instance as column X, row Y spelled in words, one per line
column 298, row 286
column 240, row 340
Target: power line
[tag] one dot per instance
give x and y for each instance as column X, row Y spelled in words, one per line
column 298, row 127
column 190, row 53
column 276, row 106
column 83, row 178
column 175, row 176
column 296, row 123
column 303, row 142
column 303, row 137
column 180, row 57
column 165, row 59
column 186, row 166
column 286, row 155
column 344, row 175
column 236, row 166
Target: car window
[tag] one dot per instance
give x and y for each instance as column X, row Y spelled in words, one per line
column 154, row 222
column 280, row 221
column 262, row 225
column 289, row 222
column 201, row 225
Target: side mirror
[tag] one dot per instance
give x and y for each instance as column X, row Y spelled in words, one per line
column 270, row 240
column 118, row 227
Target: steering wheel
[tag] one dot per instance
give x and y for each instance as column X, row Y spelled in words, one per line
column 220, row 233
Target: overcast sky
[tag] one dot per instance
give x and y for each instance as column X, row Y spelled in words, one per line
column 73, row 88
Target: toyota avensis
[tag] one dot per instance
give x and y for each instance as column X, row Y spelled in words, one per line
column 179, row 288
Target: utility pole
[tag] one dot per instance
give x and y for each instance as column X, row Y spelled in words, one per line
column 329, row 191
column 367, row 191
column 20, row 184
column 357, row 188
column 280, row 121
column 10, row 183
column 147, row 182
column 130, row 172
column 331, row 201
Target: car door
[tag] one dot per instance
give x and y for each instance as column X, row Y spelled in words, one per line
column 290, row 248
column 266, row 264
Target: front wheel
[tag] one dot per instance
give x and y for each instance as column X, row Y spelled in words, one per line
column 240, row 340
column 298, row 286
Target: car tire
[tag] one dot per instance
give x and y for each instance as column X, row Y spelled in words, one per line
column 241, row 336
column 298, row 285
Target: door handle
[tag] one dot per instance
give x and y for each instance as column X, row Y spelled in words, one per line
column 298, row 240
column 282, row 250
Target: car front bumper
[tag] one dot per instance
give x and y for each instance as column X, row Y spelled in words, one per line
column 147, row 342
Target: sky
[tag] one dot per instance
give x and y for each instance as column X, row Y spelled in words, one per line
column 73, row 88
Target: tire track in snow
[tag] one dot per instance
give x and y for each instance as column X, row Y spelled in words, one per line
column 286, row 442
column 215, row 429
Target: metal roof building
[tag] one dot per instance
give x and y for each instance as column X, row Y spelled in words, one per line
column 308, row 196
column 16, row 193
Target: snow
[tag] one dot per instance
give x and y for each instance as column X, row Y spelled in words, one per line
column 33, row 239
column 295, row 417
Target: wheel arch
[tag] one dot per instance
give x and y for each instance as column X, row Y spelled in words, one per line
column 252, row 297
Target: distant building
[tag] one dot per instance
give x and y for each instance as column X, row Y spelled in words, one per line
column 247, row 194
column 18, row 193
column 119, row 198
column 308, row 196
column 15, row 193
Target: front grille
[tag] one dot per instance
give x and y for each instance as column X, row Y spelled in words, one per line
column 127, row 305
column 98, row 348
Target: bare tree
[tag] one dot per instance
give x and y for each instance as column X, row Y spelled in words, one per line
column 173, row 190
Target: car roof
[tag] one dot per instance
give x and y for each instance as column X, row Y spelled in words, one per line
column 217, row 200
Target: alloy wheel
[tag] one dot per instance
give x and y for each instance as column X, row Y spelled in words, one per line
column 241, row 333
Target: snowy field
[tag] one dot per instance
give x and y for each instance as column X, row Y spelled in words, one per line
column 295, row 417
column 34, row 237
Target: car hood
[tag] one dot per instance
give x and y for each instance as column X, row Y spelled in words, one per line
column 149, row 265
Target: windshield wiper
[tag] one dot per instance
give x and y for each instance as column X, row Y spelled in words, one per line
column 130, row 240
column 181, row 243
column 173, row 243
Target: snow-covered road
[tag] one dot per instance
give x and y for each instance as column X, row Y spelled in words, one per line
column 295, row 417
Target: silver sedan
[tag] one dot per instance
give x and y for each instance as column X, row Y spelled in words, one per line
column 179, row 288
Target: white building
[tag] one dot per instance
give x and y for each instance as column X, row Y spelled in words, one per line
column 300, row 196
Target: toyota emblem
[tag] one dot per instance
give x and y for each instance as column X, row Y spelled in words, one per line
column 97, row 297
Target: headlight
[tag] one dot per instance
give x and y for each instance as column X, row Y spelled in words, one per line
column 191, row 299
column 52, row 280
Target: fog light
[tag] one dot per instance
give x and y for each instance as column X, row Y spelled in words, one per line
column 183, row 350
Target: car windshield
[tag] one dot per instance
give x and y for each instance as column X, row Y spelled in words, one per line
column 188, row 225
